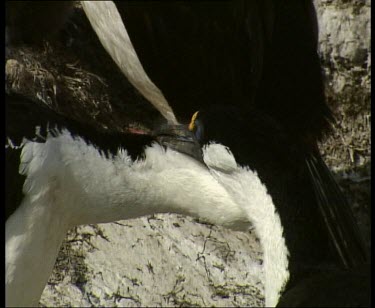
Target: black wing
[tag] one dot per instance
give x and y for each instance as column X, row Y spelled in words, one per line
column 337, row 213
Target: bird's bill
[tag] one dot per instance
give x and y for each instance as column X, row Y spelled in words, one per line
column 179, row 138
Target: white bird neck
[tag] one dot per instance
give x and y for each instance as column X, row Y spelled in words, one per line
column 70, row 183
column 245, row 187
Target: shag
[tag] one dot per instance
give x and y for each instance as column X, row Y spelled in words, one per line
column 70, row 174
column 258, row 60
column 259, row 57
column 60, row 173
column 317, row 277
column 253, row 70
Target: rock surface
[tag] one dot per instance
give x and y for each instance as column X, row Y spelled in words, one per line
column 345, row 50
column 164, row 260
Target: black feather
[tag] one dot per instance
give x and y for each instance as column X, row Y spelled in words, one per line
column 337, row 214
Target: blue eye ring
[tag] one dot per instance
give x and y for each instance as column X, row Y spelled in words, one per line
column 198, row 130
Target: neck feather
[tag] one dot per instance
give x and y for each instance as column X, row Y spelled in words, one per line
column 245, row 187
column 69, row 183
column 93, row 188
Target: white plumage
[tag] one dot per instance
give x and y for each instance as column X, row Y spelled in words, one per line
column 69, row 182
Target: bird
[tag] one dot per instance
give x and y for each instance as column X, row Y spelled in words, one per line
column 70, row 174
column 73, row 174
column 253, row 71
column 259, row 57
column 249, row 55
column 43, row 145
column 316, row 275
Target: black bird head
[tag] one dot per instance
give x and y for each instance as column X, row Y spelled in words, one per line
column 251, row 136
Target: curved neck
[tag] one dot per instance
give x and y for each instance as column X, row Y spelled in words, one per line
column 97, row 189
column 245, row 187
column 69, row 183
column 261, row 211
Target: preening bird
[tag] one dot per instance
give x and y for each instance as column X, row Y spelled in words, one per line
column 60, row 173
column 316, row 277
column 70, row 174
column 261, row 58
column 252, row 69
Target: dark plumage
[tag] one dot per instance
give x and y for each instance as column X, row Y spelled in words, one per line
column 260, row 57
column 308, row 200
column 253, row 70
column 242, row 53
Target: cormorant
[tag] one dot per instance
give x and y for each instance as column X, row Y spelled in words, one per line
column 259, row 57
column 302, row 190
column 71, row 174
column 60, row 173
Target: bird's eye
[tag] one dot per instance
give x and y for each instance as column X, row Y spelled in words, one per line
column 196, row 126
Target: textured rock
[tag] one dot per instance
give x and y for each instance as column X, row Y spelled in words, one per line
column 164, row 260
column 345, row 49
